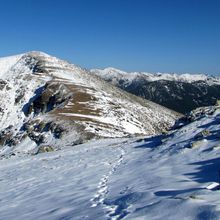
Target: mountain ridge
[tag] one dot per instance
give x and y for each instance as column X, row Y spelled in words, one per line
column 182, row 93
column 183, row 77
column 49, row 102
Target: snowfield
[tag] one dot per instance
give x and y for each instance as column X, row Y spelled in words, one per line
column 170, row 176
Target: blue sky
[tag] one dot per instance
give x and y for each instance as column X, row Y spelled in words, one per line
column 143, row 35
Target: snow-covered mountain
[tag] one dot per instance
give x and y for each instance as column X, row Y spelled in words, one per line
column 171, row 176
column 181, row 93
column 47, row 103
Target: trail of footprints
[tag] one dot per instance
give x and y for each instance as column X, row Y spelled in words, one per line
column 100, row 196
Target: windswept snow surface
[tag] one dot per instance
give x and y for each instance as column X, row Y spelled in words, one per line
column 158, row 177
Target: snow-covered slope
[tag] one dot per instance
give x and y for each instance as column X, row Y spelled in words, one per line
column 6, row 63
column 172, row 176
column 181, row 93
column 47, row 103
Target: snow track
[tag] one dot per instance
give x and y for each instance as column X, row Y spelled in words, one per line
column 103, row 190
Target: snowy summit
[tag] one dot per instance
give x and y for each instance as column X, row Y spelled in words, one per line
column 46, row 102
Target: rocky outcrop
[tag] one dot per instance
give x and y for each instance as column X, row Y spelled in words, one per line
column 195, row 115
column 48, row 97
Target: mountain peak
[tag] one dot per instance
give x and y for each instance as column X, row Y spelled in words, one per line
column 109, row 70
column 37, row 53
column 47, row 101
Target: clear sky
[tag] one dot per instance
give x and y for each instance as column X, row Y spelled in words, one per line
column 133, row 35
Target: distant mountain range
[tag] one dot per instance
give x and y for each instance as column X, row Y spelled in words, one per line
column 181, row 93
column 47, row 103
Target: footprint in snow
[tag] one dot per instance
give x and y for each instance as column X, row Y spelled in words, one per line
column 102, row 191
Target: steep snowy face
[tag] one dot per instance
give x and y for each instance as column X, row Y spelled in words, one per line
column 181, row 93
column 49, row 103
column 7, row 63
column 17, row 87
